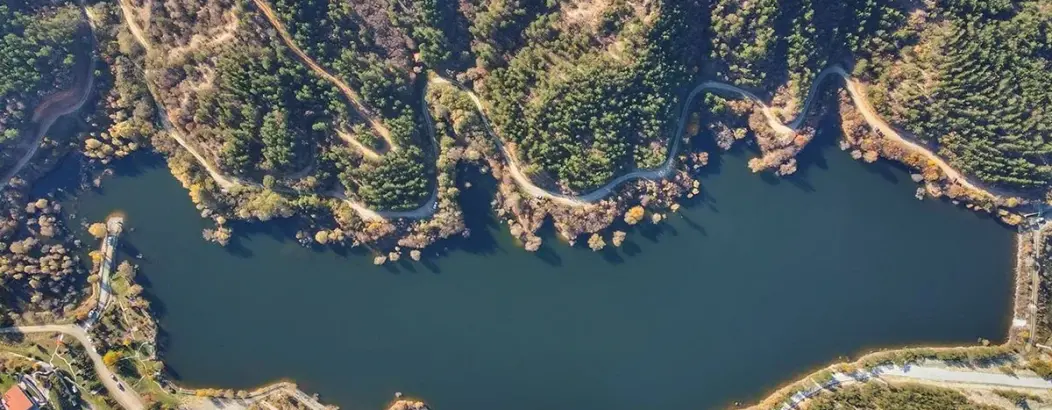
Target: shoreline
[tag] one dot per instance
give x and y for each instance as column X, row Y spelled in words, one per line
column 539, row 202
column 1022, row 295
column 661, row 172
column 793, row 383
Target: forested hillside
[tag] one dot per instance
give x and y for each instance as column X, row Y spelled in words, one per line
column 273, row 108
column 768, row 44
column 581, row 90
column 240, row 93
column 585, row 90
column 978, row 84
column 40, row 43
column 45, row 51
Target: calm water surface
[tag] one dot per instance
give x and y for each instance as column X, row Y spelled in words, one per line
column 761, row 280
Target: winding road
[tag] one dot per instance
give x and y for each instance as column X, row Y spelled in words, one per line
column 127, row 397
column 57, row 105
column 662, row 171
column 854, row 89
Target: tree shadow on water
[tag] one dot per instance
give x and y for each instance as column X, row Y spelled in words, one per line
column 549, row 240
column 391, row 268
column 476, row 192
column 281, row 230
column 694, row 225
column 611, row 255
column 237, row 247
column 130, row 251
column 630, row 248
column 885, row 170
column 549, row 256
column 653, row 232
column 407, row 264
column 813, row 156
column 138, row 164
column 430, row 265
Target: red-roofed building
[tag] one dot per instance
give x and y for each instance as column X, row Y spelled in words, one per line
column 16, row 399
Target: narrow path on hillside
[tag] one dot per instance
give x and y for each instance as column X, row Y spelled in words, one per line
column 57, row 105
column 136, row 31
column 351, row 95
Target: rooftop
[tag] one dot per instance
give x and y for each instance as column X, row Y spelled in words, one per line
column 16, row 399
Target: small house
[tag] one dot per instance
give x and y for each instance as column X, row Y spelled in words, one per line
column 16, row 399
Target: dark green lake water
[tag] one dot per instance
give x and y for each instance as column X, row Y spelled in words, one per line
column 763, row 279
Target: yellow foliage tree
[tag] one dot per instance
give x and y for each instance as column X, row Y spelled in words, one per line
column 98, row 230
column 321, row 237
column 634, row 215
column 111, row 358
column 123, row 130
column 757, row 165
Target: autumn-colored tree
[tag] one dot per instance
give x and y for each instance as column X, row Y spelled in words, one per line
column 757, row 165
column 126, row 269
column 98, row 230
column 111, row 358
column 634, row 215
column 596, row 242
column 321, row 237
column 619, row 238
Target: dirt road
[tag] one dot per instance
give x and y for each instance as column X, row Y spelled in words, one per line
column 351, row 95
column 55, row 106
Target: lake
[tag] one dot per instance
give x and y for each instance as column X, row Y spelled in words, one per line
column 760, row 280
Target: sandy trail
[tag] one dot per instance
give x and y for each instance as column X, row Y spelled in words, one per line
column 355, row 99
column 129, row 16
column 223, row 35
column 367, row 152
